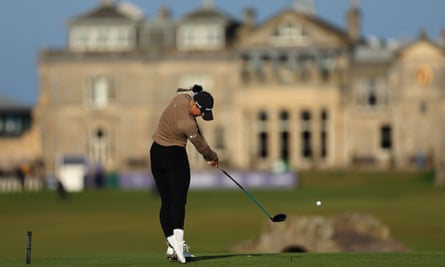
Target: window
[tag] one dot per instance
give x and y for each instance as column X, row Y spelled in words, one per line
column 263, row 136
column 305, row 63
column 209, row 37
column 100, row 92
column 157, row 37
column 256, row 66
column 371, row 93
column 326, row 66
column 99, row 146
column 289, row 33
column 103, row 35
column 101, row 38
column 123, row 39
column 263, row 141
column 306, row 135
column 245, row 70
column 14, row 123
column 385, row 137
column 284, row 135
column 324, row 134
column 79, row 38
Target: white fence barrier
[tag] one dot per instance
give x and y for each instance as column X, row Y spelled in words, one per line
column 12, row 184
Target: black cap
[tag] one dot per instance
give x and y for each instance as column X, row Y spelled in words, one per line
column 196, row 88
column 204, row 101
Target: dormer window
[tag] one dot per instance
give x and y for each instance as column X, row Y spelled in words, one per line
column 289, row 33
column 203, row 37
column 101, row 38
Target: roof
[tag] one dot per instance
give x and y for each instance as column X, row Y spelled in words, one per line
column 314, row 19
column 324, row 24
column 209, row 12
column 366, row 53
column 103, row 11
column 423, row 37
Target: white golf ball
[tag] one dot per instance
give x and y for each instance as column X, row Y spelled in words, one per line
column 318, row 203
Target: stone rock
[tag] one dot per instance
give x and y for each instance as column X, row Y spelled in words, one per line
column 354, row 232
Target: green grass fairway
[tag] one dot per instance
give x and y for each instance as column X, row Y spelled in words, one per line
column 121, row 228
column 257, row 260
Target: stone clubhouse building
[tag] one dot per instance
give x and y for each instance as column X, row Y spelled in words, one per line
column 291, row 92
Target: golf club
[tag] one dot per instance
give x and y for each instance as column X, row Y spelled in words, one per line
column 277, row 218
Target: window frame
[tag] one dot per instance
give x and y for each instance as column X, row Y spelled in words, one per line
column 100, row 92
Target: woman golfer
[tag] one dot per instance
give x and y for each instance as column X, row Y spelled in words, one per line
column 169, row 162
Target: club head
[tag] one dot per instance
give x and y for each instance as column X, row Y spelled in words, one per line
column 279, row 218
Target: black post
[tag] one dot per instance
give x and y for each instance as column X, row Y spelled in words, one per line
column 28, row 247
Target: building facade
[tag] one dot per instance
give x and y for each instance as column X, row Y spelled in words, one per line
column 292, row 92
column 19, row 135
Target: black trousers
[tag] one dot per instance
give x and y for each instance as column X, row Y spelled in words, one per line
column 171, row 172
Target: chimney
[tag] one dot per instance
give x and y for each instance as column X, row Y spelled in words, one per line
column 354, row 21
column 208, row 4
column 248, row 23
column 107, row 2
column 305, row 7
column 249, row 17
column 164, row 12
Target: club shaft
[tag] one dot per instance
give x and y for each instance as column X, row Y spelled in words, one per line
column 247, row 193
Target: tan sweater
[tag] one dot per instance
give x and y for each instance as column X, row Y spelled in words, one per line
column 177, row 124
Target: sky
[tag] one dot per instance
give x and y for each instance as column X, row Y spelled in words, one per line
column 27, row 26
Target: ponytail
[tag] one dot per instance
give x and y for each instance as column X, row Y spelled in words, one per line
column 195, row 89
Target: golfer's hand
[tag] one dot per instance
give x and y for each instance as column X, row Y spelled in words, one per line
column 214, row 163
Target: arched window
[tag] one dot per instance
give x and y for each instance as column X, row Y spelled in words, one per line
column 263, row 136
column 99, row 146
column 306, row 135
column 386, row 137
column 284, row 135
column 324, row 133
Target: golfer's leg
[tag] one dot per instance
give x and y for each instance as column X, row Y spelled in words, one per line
column 179, row 186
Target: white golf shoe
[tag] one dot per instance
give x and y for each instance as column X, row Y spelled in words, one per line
column 171, row 255
column 178, row 249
